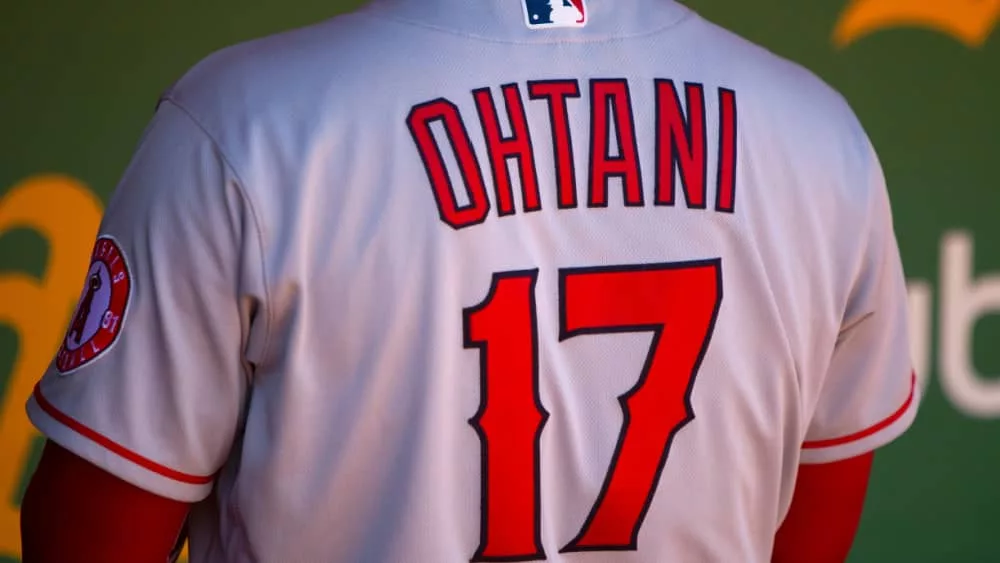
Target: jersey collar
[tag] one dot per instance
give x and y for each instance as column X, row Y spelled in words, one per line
column 505, row 20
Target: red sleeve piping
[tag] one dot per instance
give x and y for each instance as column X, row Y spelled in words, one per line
column 875, row 428
column 113, row 447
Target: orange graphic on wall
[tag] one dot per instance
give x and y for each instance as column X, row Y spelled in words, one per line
column 969, row 21
column 67, row 215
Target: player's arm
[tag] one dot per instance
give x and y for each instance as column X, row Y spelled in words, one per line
column 150, row 382
column 825, row 511
column 98, row 516
column 868, row 395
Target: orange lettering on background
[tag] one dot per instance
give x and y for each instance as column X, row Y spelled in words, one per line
column 67, row 215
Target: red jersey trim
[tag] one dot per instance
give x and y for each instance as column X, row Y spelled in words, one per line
column 111, row 446
column 875, row 428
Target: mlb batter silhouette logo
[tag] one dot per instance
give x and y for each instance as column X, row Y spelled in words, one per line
column 540, row 14
column 101, row 310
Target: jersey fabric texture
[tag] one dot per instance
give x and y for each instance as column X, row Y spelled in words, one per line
column 424, row 283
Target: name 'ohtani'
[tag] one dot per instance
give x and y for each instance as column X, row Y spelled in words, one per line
column 681, row 148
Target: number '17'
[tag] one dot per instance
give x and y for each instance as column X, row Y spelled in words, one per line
column 678, row 302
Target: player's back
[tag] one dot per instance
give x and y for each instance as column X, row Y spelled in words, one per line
column 520, row 292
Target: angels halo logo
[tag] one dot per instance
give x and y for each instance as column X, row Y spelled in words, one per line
column 543, row 14
column 99, row 314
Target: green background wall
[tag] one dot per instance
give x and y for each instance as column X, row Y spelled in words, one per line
column 78, row 81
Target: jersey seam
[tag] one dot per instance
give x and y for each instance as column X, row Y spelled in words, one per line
column 581, row 40
column 253, row 214
column 871, row 210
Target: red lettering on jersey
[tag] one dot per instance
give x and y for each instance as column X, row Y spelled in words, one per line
column 725, row 195
column 555, row 93
column 510, row 417
column 680, row 140
column 679, row 303
column 517, row 146
column 680, row 144
column 610, row 98
column 420, row 119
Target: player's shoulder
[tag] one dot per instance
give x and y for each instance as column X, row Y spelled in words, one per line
column 284, row 77
column 788, row 110
column 763, row 77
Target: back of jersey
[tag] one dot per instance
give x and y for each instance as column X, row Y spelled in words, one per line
column 445, row 280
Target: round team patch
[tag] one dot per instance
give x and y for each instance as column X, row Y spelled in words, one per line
column 100, row 312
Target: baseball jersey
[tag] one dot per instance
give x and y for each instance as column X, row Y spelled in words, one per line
column 441, row 281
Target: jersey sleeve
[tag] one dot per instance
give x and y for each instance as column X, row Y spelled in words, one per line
column 152, row 376
column 869, row 395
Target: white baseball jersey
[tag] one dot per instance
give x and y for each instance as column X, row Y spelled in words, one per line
column 442, row 280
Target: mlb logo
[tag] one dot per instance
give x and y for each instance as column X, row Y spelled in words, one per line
column 542, row 14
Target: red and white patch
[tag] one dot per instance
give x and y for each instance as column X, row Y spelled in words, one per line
column 99, row 314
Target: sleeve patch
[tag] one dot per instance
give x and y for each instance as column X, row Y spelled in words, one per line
column 100, row 312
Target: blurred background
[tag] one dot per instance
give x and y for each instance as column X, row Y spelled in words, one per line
column 79, row 80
